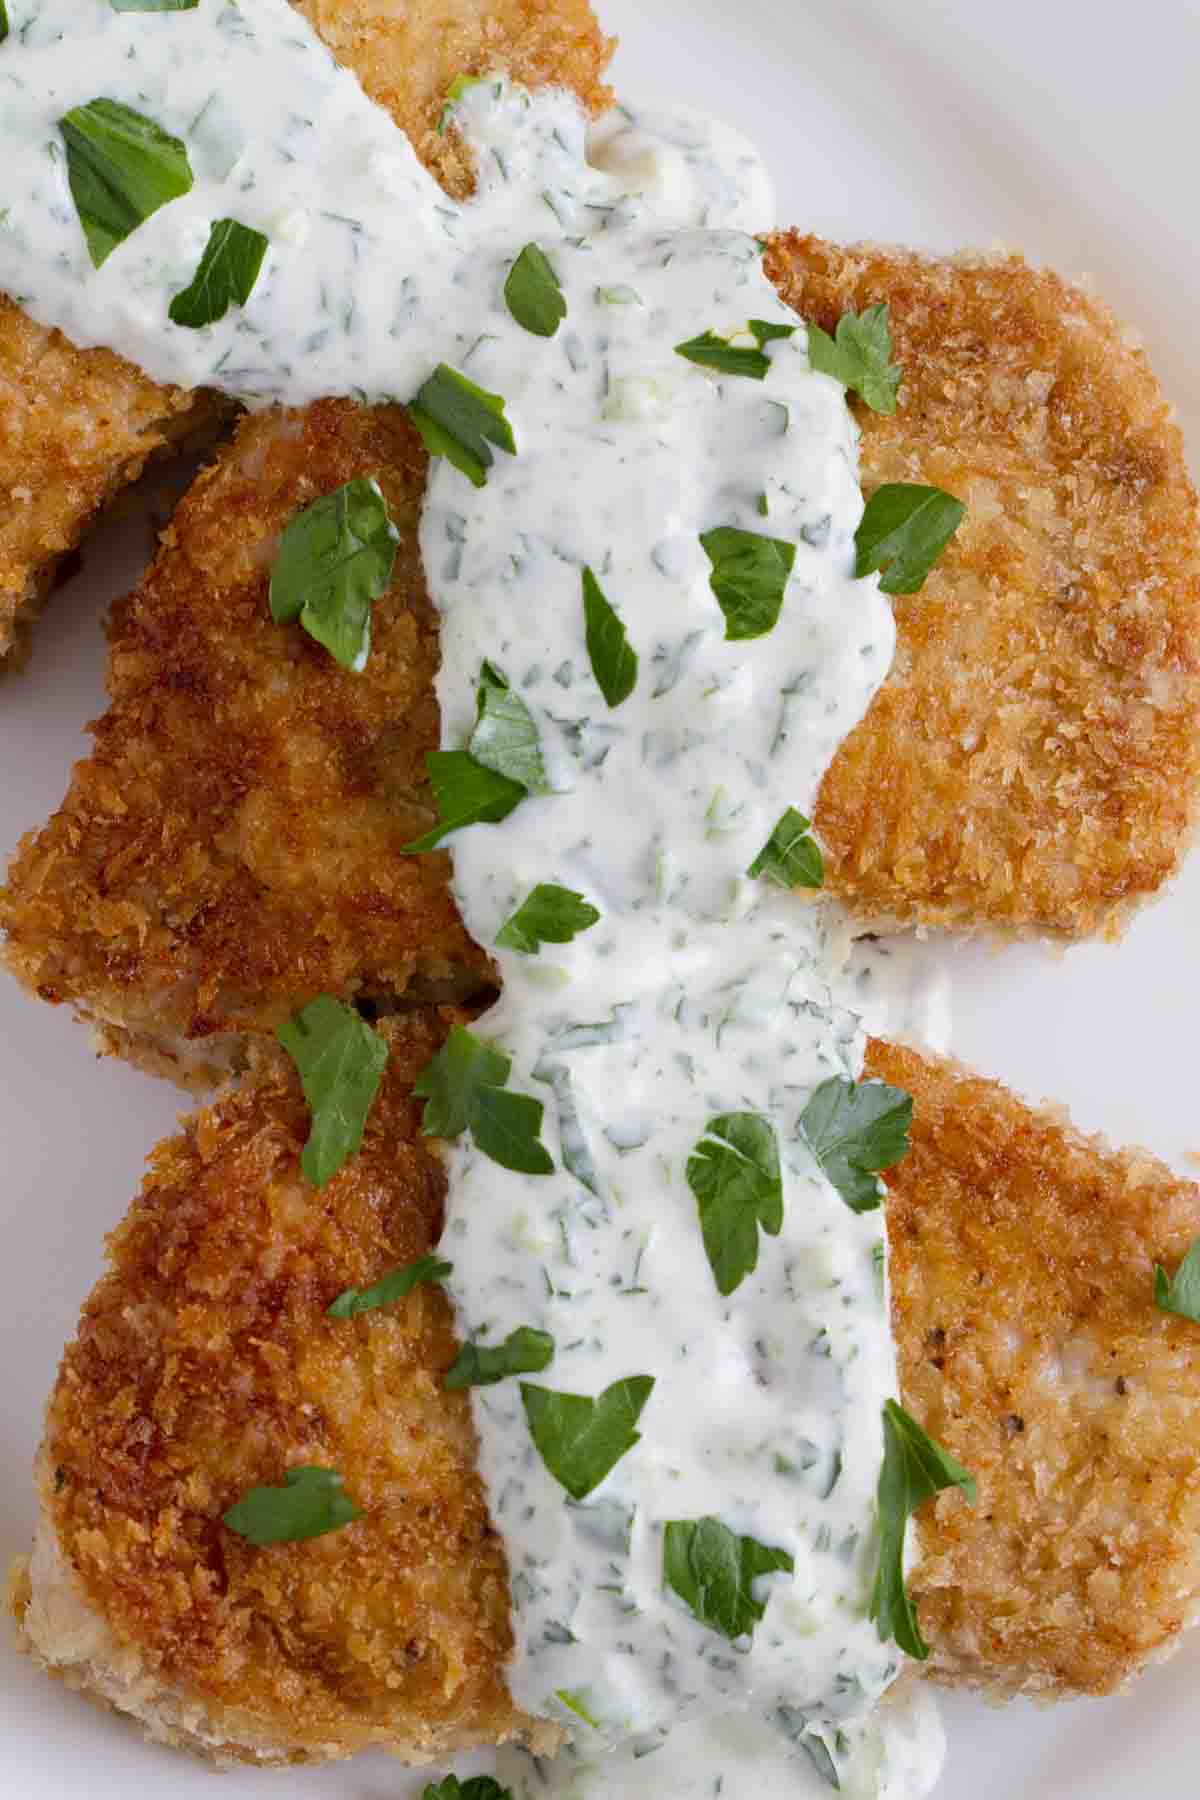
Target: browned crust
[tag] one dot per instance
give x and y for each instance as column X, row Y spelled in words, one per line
column 1032, row 763
column 76, row 426
column 204, row 1365
column 1022, row 1267
column 234, row 843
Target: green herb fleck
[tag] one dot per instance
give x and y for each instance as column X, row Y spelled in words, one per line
column 903, row 531
column 523, row 1352
column 713, row 1571
column 225, row 276
column 460, row 421
column 465, row 793
column 854, row 1129
column 580, row 1440
column 791, row 856
column 4, row 20
column 310, row 1503
column 550, row 915
column 914, row 1469
column 397, row 1284
column 464, row 1087
column 335, row 559
column 505, row 739
column 614, row 662
column 1180, row 1293
column 122, row 167
column 532, row 293
column 765, row 330
column 574, row 1702
column 454, row 93
column 713, row 352
column 341, row 1063
column 748, row 576
column 859, row 356
column 153, row 5
column 734, row 1174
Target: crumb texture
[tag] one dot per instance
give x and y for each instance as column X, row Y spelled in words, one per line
column 1032, row 763
column 205, row 1365
column 1028, row 1342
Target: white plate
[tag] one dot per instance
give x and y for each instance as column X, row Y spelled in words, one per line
column 1067, row 129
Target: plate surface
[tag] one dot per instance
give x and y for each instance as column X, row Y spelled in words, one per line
column 941, row 125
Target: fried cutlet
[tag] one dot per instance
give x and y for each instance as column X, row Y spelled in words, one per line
column 205, row 1365
column 1028, row 1341
column 1022, row 1273
column 233, row 845
column 76, row 426
column 1033, row 761
column 1030, row 763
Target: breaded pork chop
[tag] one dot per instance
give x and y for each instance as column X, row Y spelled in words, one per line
column 1033, row 761
column 204, row 1366
column 1022, row 1263
column 234, row 844
column 76, row 426
column 1030, row 764
column 1022, row 1269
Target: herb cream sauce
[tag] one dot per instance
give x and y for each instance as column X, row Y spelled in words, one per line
column 699, row 991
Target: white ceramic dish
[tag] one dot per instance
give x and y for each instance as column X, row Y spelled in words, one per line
column 1056, row 128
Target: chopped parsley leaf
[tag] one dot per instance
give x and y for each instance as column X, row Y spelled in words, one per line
column 915, row 1468
column 791, row 856
column 464, row 1087
column 524, row 1351
column 748, row 576
column 335, row 560
column 903, row 531
column 854, row 1129
column 859, row 356
column 461, row 422
column 225, row 276
column 341, row 1063
column 310, row 1503
column 533, row 295
column 734, row 1174
column 549, row 915
column 713, row 1571
column 579, row 1439
column 397, row 1284
column 121, row 167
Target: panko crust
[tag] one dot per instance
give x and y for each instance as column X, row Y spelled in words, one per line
column 76, row 426
column 1022, row 1272
column 204, row 1365
column 1031, row 764
column 234, row 844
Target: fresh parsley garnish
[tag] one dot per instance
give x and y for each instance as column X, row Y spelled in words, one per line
column 854, row 1129
column 532, row 293
column 713, row 1571
column 734, row 1174
column 311, row 1502
column 614, row 661
column 500, row 765
column 454, row 93
column 791, row 856
column 712, row 351
column 903, row 531
column 460, row 421
column 550, row 915
column 335, row 559
column 580, row 1440
column 859, row 356
column 749, row 574
column 397, row 1284
column 464, row 1087
column 505, row 738
column 1180, row 1293
column 4, row 19
column 225, row 276
column 524, row 1351
column 915, row 1468
column 121, row 167
column 476, row 1787
column 341, row 1063
column 465, row 793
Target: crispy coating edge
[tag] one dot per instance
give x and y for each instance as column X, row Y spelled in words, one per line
column 1032, row 763
column 77, row 426
column 204, row 1365
column 1022, row 1274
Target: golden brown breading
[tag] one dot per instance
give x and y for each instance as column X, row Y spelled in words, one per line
column 1022, row 1268
column 205, row 1365
column 1032, row 762
column 233, row 844
column 1028, row 1342
column 78, row 425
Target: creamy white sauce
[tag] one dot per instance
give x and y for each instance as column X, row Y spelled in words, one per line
column 699, row 992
